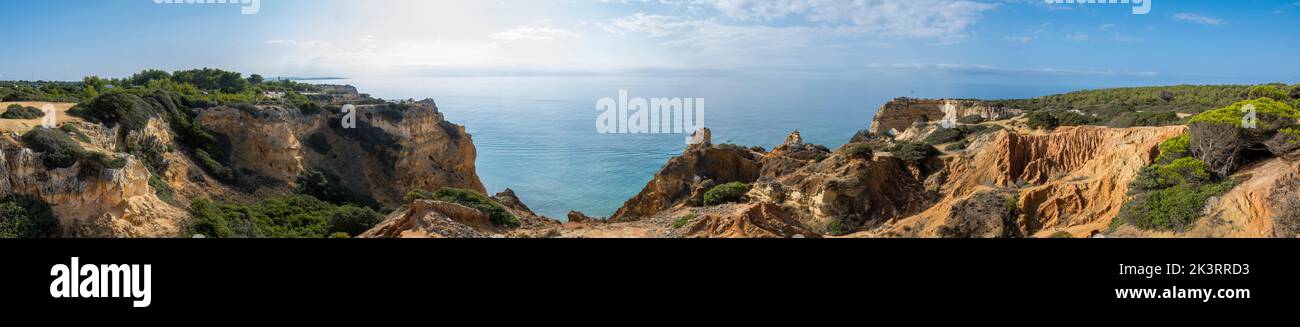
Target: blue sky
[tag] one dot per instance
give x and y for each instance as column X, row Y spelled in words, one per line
column 1008, row 41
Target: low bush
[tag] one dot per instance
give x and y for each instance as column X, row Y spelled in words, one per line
column 58, row 149
column 289, row 217
column 1267, row 91
column 1171, row 209
column 327, row 187
column 859, row 150
column 1042, row 120
column 913, row 152
column 972, row 119
column 726, row 193
column 214, row 167
column 353, row 220
column 1137, row 119
column 24, row 216
column 20, row 112
column 472, row 199
column 319, row 143
column 945, row 135
column 1175, row 148
column 683, row 221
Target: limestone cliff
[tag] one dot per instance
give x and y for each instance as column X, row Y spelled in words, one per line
column 91, row 201
column 391, row 150
column 898, row 115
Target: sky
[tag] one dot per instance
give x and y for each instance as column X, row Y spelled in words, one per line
column 1012, row 41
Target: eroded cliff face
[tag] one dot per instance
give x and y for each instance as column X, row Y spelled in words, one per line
column 898, row 115
column 685, row 178
column 91, row 202
column 1072, row 180
column 388, row 153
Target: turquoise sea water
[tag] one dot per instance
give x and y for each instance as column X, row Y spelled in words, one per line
column 537, row 135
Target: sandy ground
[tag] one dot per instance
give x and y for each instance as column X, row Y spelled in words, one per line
column 22, row 126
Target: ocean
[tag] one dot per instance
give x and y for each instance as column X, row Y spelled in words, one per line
column 537, row 134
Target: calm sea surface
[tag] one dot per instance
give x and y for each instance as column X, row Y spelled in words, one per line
column 537, row 135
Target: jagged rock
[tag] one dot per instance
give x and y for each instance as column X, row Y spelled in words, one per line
column 673, row 185
column 436, row 219
column 758, row 220
column 983, row 215
column 1074, row 179
column 516, row 207
column 581, row 218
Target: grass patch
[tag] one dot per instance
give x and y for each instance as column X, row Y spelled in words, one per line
column 681, row 222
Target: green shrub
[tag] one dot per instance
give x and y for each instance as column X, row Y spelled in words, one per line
column 24, row 216
column 972, row 119
column 683, row 221
column 340, row 235
column 1136, row 119
column 1042, row 120
column 119, row 108
column 726, row 193
column 472, row 199
column 837, row 228
column 859, row 150
column 20, row 112
column 319, row 143
column 1172, row 209
column 1071, row 118
column 59, row 150
column 162, row 189
column 1181, row 171
column 214, row 167
column 75, row 132
column 352, row 220
column 1175, row 148
column 327, row 187
column 945, row 135
column 289, row 217
column 913, row 152
column 1062, row 234
column 1267, row 91
column 1232, row 115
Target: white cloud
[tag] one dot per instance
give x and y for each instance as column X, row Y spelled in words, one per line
column 1200, row 19
column 540, row 31
column 1019, row 39
column 1077, row 37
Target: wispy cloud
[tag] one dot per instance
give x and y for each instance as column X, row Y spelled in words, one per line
column 1200, row 19
column 540, row 31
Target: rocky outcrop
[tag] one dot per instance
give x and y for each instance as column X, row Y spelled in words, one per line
column 91, row 202
column 673, row 185
column 433, row 219
column 1073, row 180
column 516, row 207
column 840, row 193
column 898, row 115
column 757, row 220
column 392, row 149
